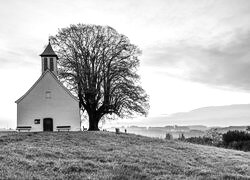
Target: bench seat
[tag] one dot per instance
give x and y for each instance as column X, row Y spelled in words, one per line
column 63, row 128
column 25, row 128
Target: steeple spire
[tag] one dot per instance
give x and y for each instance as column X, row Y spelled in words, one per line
column 49, row 51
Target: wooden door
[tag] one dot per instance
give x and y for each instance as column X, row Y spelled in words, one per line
column 47, row 124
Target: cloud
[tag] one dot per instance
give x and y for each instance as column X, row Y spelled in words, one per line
column 20, row 53
column 18, row 58
column 224, row 63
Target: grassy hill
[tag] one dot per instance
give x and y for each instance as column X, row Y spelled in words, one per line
column 105, row 155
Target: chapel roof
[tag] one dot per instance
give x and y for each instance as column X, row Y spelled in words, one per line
column 48, row 51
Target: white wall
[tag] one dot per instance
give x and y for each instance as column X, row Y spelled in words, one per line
column 61, row 107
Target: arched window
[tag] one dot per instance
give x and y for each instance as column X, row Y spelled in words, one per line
column 45, row 64
column 51, row 63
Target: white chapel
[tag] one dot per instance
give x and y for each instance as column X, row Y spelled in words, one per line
column 48, row 105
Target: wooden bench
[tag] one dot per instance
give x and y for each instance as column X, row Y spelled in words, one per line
column 25, row 128
column 63, row 128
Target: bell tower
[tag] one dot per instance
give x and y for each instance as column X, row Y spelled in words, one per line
column 49, row 59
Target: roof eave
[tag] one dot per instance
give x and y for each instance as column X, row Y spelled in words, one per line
column 49, row 55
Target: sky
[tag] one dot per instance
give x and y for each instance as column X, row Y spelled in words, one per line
column 195, row 53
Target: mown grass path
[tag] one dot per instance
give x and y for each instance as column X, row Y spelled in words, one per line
column 105, row 155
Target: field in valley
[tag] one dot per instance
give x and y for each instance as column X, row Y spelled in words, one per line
column 105, row 155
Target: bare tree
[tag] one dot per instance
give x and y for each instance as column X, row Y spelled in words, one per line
column 99, row 65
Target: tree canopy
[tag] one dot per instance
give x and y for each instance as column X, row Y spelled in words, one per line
column 99, row 65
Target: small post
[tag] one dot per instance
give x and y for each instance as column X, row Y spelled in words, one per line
column 169, row 136
column 117, row 130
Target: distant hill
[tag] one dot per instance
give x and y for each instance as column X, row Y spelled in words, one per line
column 231, row 115
column 176, row 131
column 230, row 128
column 110, row 156
column 236, row 115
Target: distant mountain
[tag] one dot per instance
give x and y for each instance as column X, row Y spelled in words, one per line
column 231, row 128
column 235, row 115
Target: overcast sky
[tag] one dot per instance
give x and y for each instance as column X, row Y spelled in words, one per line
column 196, row 53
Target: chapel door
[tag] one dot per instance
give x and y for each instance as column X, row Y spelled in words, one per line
column 47, row 124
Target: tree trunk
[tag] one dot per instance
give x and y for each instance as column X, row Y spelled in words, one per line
column 93, row 122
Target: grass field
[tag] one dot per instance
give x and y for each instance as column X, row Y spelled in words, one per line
column 105, row 155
